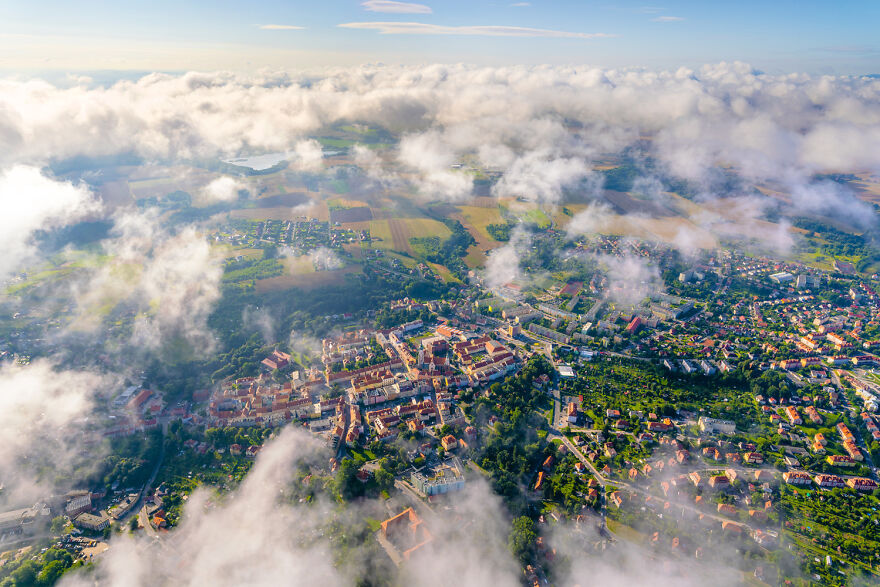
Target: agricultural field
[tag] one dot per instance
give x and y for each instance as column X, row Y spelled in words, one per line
column 478, row 218
column 307, row 280
column 396, row 232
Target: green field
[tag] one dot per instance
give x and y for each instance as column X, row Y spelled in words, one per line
column 336, row 143
column 538, row 217
column 379, row 229
column 478, row 218
column 427, row 227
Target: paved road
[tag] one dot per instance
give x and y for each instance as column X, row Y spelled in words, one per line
column 145, row 522
column 416, row 499
column 136, row 509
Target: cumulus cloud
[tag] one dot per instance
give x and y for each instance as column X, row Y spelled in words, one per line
column 393, row 7
column 377, row 169
column 260, row 320
column 503, row 263
column 539, row 176
column 325, row 259
column 630, row 279
column 540, row 129
column 720, row 113
column 222, row 189
column 594, row 219
column 433, row 158
column 45, row 415
column 30, row 202
column 252, row 538
column 258, row 536
column 308, row 155
column 171, row 279
column 619, row 563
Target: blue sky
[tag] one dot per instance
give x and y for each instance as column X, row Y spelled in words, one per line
column 775, row 36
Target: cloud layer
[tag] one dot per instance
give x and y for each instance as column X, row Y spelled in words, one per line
column 779, row 127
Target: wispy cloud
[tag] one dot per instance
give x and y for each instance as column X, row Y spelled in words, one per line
column 396, row 7
column 851, row 49
column 668, row 19
column 418, row 28
column 281, row 27
column 521, row 4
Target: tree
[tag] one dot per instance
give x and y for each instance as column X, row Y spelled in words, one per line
column 522, row 539
column 51, row 573
column 26, row 573
column 133, row 523
column 347, row 484
column 384, row 479
column 58, row 524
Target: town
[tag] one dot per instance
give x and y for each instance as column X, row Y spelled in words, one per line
column 729, row 407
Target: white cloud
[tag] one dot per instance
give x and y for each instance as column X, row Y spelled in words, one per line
column 30, row 201
column 668, row 19
column 281, row 27
column 630, row 279
column 223, row 189
column 172, row 280
column 418, row 28
column 393, row 7
column 541, row 176
column 520, row 4
column 309, row 155
column 325, row 259
column 539, row 127
column 258, row 536
column 503, row 263
column 44, row 426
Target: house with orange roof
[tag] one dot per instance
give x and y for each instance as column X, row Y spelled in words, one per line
column 840, row 461
column 797, row 478
column 539, row 483
column 404, row 535
column 719, row 482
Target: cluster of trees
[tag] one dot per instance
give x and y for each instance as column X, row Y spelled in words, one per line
column 846, row 519
column 43, row 571
column 129, row 463
column 248, row 270
column 500, row 232
column 836, row 242
column 386, row 317
column 241, row 361
column 348, row 487
column 229, row 435
column 513, row 450
column 453, row 250
column 618, row 383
